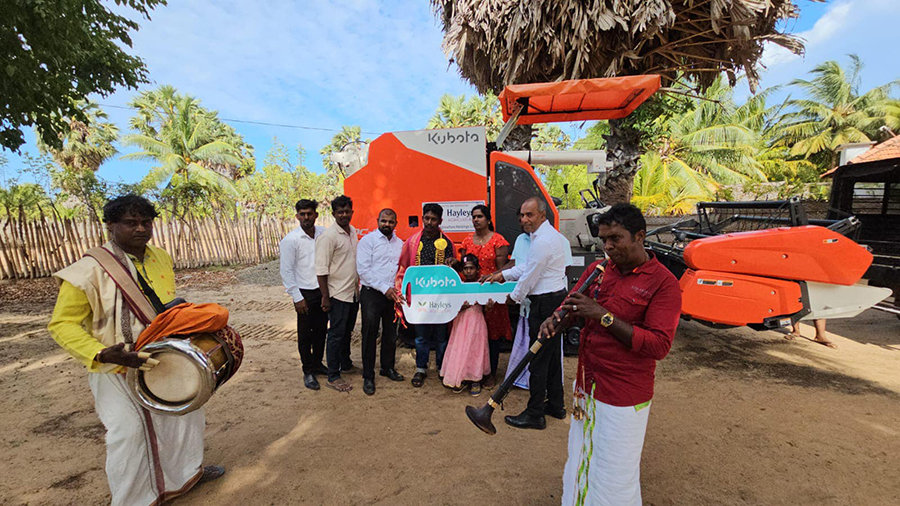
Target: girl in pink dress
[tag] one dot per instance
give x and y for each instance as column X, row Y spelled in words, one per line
column 467, row 359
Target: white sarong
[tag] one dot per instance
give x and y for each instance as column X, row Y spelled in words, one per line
column 614, row 474
column 150, row 458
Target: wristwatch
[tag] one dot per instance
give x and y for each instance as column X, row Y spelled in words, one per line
column 607, row 320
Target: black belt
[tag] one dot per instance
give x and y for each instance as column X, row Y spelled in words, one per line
column 547, row 295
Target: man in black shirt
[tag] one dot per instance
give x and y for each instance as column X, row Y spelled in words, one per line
column 430, row 246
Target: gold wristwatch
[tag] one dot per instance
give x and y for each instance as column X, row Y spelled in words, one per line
column 607, row 320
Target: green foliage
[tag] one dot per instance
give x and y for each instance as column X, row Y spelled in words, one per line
column 25, row 200
column 834, row 113
column 274, row 188
column 57, row 53
column 593, row 137
column 459, row 111
column 650, row 121
column 85, row 146
column 557, row 178
column 669, row 186
column 196, row 155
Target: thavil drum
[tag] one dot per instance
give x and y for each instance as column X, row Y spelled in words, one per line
column 190, row 370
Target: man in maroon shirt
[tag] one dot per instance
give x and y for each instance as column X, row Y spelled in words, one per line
column 630, row 321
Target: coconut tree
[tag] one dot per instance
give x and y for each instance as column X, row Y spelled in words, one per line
column 182, row 142
column 499, row 42
column 669, row 186
column 834, row 112
column 155, row 110
column 458, row 111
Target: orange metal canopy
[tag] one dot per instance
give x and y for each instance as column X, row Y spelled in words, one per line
column 578, row 100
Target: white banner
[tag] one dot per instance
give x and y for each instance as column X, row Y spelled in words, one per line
column 458, row 215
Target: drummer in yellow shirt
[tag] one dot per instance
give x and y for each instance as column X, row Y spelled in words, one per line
column 150, row 458
column 73, row 309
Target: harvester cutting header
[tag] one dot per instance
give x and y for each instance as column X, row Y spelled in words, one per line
column 770, row 273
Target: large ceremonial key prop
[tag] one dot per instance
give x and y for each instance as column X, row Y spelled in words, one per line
column 435, row 293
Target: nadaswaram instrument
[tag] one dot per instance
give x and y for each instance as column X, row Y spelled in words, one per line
column 189, row 371
column 481, row 417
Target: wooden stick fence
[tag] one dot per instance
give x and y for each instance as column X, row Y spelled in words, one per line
column 38, row 247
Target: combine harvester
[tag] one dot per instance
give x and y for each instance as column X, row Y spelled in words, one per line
column 764, row 278
column 765, row 265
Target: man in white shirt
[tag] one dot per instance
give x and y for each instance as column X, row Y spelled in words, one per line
column 377, row 258
column 542, row 280
column 298, row 274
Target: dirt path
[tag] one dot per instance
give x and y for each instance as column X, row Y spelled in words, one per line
column 740, row 417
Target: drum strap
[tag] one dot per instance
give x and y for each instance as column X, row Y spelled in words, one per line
column 148, row 291
column 128, row 287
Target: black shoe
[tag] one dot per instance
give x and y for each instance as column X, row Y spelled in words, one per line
column 369, row 386
column 211, row 473
column 348, row 368
column 320, row 369
column 526, row 421
column 391, row 374
column 418, row 379
column 559, row 414
column 310, row 381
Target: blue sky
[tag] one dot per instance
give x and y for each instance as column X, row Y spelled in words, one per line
column 379, row 65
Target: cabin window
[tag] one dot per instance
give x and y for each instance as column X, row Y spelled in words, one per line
column 514, row 186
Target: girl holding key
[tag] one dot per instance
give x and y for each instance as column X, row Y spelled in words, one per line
column 466, row 359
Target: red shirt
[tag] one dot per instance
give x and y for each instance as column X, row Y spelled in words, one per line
column 649, row 298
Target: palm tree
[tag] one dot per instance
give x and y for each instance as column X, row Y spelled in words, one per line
column 499, row 42
column 459, row 111
column 176, row 134
column 712, row 142
column 669, row 186
column 85, row 146
column 835, row 113
column 155, row 110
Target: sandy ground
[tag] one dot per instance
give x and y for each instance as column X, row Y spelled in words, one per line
column 739, row 417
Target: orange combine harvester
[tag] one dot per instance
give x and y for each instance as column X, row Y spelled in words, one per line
column 781, row 270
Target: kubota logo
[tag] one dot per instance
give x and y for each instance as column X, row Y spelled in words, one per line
column 439, row 138
column 435, row 283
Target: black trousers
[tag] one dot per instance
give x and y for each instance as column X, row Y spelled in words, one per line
column 341, row 320
column 311, row 328
column 377, row 311
column 546, row 368
column 494, row 354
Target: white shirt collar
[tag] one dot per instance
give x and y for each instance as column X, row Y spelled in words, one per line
column 546, row 223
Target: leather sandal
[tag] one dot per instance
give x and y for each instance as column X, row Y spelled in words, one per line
column 418, row 379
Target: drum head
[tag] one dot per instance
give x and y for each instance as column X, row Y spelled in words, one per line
column 175, row 379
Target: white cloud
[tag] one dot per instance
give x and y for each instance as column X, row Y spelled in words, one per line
column 863, row 27
column 826, row 26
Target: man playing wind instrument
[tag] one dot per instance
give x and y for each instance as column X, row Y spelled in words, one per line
column 150, row 458
column 630, row 320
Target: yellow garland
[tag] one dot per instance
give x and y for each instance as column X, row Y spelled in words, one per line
column 440, row 245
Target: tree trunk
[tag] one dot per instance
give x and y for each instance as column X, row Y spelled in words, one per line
column 519, row 138
column 623, row 149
